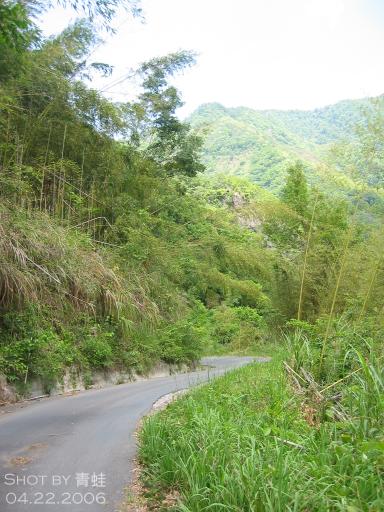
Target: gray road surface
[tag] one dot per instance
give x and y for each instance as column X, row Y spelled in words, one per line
column 74, row 453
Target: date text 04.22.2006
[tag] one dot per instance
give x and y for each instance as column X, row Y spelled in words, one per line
column 51, row 498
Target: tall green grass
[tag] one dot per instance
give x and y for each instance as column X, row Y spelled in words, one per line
column 245, row 442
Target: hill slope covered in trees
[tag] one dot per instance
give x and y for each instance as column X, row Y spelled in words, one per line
column 111, row 256
column 257, row 143
column 117, row 252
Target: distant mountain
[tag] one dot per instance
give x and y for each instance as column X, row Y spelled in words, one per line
column 258, row 144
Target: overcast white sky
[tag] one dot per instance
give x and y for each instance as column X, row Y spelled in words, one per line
column 283, row 54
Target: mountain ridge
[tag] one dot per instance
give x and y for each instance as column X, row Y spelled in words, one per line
column 258, row 144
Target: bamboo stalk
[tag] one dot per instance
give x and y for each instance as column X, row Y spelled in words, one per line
column 91, row 220
column 82, row 173
column 21, row 154
column 306, row 258
column 24, row 138
column 336, row 291
column 52, row 208
column 61, row 171
column 44, row 166
column 370, row 287
column 16, row 152
column 344, row 378
column 90, row 206
column 6, row 141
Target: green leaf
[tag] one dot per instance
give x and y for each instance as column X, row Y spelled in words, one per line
column 368, row 446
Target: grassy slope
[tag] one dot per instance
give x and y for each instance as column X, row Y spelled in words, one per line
column 57, row 298
column 245, row 443
column 256, row 144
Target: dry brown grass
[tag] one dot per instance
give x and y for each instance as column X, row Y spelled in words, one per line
column 44, row 262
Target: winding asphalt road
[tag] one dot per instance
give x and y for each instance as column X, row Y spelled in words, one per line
column 75, row 452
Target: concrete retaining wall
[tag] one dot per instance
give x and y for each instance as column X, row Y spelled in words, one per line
column 75, row 381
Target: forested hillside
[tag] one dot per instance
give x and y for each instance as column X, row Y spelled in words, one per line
column 111, row 256
column 257, row 144
column 304, row 433
column 118, row 251
column 129, row 238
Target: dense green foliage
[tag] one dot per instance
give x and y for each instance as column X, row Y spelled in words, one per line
column 295, row 191
column 248, row 442
column 362, row 157
column 257, row 144
column 303, row 432
column 111, row 256
column 117, row 252
column 306, row 435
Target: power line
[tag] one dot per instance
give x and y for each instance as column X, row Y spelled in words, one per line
column 118, row 81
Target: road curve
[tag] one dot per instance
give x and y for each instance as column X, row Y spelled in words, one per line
column 75, row 453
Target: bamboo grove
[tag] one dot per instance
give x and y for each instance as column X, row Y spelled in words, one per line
column 117, row 249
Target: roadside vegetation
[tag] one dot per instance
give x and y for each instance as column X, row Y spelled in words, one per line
column 117, row 252
column 305, row 431
column 264, row 439
column 111, row 258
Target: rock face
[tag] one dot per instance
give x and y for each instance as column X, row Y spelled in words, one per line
column 246, row 219
column 237, row 200
column 253, row 222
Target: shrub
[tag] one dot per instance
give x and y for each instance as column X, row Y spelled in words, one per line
column 182, row 342
column 43, row 354
column 239, row 326
column 98, row 350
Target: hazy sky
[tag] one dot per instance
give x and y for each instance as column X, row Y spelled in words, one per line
column 284, row 54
